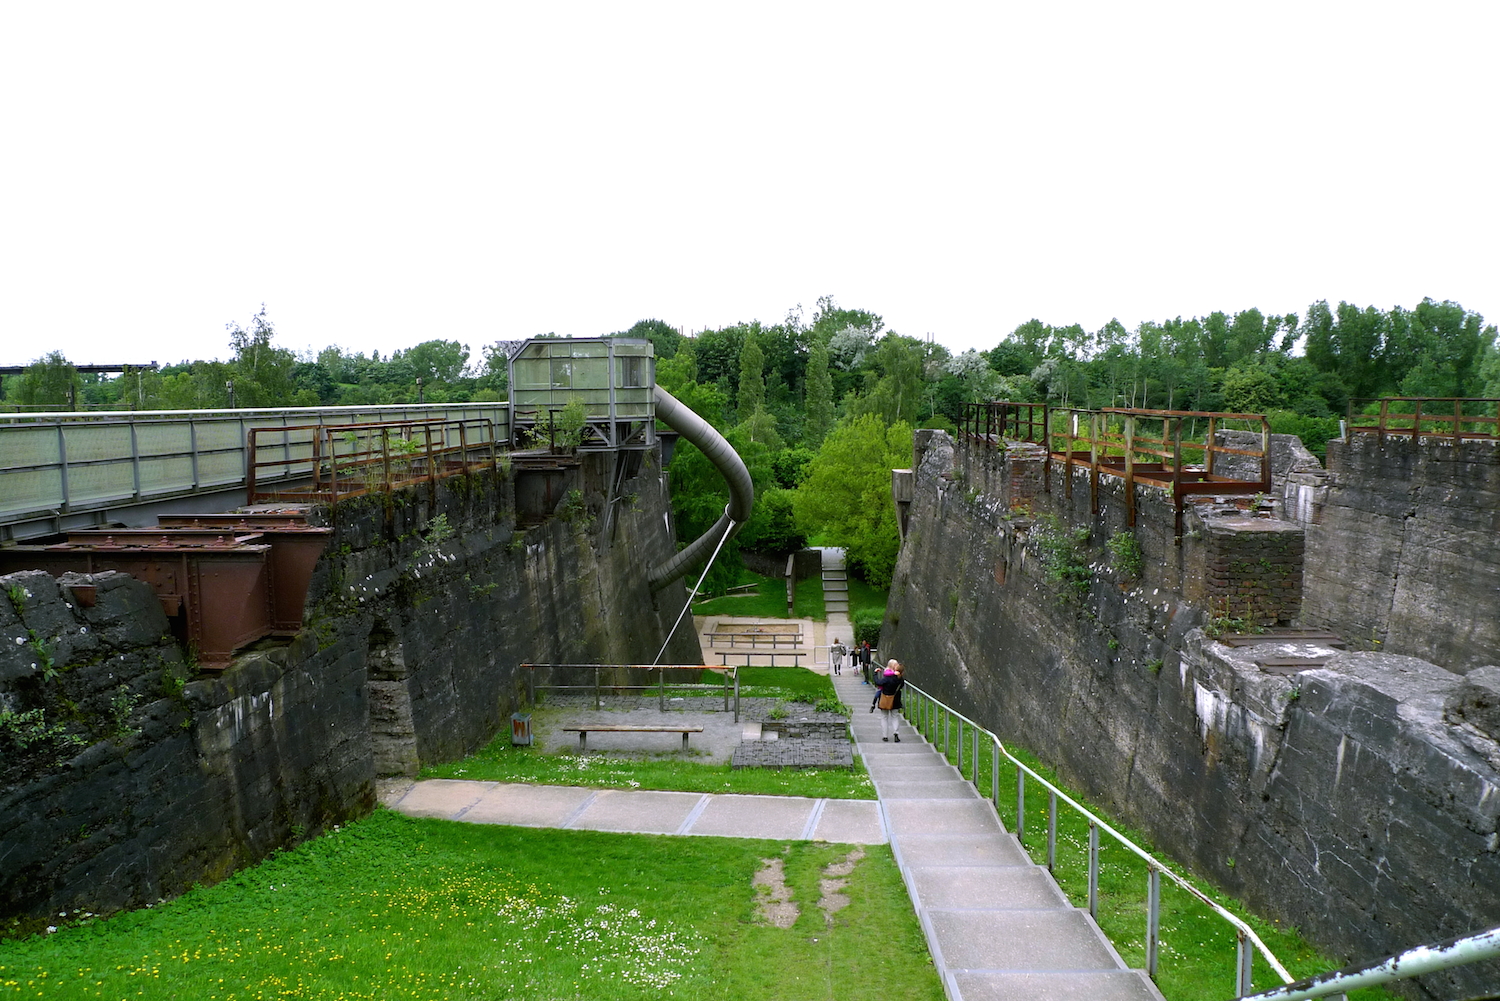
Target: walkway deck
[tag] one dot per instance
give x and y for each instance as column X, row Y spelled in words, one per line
column 997, row 925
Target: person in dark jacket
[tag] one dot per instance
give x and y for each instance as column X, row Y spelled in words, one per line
column 864, row 662
column 888, row 699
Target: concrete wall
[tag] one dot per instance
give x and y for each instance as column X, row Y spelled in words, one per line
column 1406, row 557
column 1359, row 802
column 409, row 653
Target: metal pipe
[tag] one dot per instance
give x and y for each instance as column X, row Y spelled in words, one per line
column 730, row 466
column 1094, row 873
column 1153, row 920
column 1411, row 963
column 1020, row 804
column 1051, row 831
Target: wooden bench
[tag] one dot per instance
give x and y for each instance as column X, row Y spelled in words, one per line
column 586, row 729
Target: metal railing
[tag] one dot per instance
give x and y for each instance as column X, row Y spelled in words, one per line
column 1449, row 418
column 600, row 685
column 1411, row 963
column 1154, row 447
column 935, row 720
column 329, row 462
column 58, row 470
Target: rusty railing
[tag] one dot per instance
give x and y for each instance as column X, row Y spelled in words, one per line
column 1157, row 448
column 347, row 460
column 1450, row 418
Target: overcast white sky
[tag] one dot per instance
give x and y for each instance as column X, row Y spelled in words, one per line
column 382, row 174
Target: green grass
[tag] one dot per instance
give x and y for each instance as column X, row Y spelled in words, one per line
column 394, row 908
column 862, row 596
column 795, row 683
column 769, row 602
column 500, row 762
column 1197, row 948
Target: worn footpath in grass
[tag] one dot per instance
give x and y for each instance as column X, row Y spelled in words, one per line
column 1197, row 947
column 397, row 908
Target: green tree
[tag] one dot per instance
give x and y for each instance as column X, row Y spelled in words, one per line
column 752, row 389
column 261, row 372
column 899, row 386
column 664, row 338
column 846, row 496
column 50, row 381
column 819, row 406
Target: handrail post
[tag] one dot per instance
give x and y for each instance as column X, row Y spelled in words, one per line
column 1020, row 804
column 596, row 689
column 960, row 754
column 1153, row 920
column 1244, row 957
column 661, row 689
column 995, row 775
column 974, row 753
column 250, row 460
column 1094, row 871
column 947, row 728
column 1051, row 831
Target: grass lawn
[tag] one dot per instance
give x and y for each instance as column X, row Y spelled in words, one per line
column 864, row 596
column 1197, row 948
column 393, row 907
column 769, row 602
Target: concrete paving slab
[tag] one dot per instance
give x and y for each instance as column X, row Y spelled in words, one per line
column 1050, row 939
column 1025, row 887
column 637, row 811
column 974, row 816
column 1113, row 985
column 914, row 770
column 778, row 817
column 919, row 850
column 851, row 821
column 906, row 748
column 443, row 798
column 528, row 806
column 940, row 789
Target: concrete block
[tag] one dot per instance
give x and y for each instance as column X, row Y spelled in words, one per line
column 1009, row 887
column 777, row 817
column 851, row 821
column 1119, row 985
column 527, row 806
column 973, row 816
column 1049, row 939
column 919, row 850
column 637, row 811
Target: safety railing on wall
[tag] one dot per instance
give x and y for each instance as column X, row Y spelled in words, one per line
column 1411, row 963
column 597, row 684
column 326, row 463
column 1455, row 419
column 56, row 468
column 542, row 427
column 1159, row 448
column 941, row 725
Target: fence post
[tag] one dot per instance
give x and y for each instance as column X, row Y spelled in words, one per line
column 596, row 689
column 1094, row 871
column 661, row 689
column 1153, row 919
column 1051, row 831
column 1244, row 957
column 995, row 776
column 1020, row 803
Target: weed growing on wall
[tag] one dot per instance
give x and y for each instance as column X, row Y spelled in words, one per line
column 1125, row 555
column 1064, row 556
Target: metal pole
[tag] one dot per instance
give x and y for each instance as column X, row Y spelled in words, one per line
column 1051, row 831
column 974, row 751
column 661, row 689
column 947, row 728
column 1153, row 919
column 960, row 749
column 1020, row 803
column 596, row 688
column 995, row 776
column 1244, row 956
column 736, row 694
column 1094, row 872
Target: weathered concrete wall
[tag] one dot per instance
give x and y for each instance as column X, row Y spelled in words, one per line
column 137, row 784
column 1359, row 802
column 1406, row 557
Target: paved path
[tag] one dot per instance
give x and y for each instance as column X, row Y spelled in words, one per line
column 996, row 923
column 636, row 811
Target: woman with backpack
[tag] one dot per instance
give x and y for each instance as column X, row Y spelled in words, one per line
column 888, row 699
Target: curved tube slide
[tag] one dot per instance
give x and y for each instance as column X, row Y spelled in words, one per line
column 730, row 466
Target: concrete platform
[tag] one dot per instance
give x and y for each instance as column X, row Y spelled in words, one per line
column 1114, row 985
column 638, row 811
column 1012, row 887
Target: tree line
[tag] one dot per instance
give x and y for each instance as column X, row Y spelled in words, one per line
column 822, row 407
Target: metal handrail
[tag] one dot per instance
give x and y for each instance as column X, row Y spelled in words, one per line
column 731, row 673
column 1245, row 935
column 1411, row 963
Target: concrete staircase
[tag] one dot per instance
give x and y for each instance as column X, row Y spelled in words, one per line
column 835, row 584
column 996, row 923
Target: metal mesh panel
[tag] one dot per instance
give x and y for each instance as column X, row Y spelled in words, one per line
column 163, row 438
column 24, row 491
column 169, row 475
column 22, row 446
column 218, row 469
column 88, row 442
column 99, row 482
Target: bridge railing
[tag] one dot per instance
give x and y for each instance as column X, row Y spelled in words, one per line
column 1454, row 419
column 55, row 466
column 938, row 722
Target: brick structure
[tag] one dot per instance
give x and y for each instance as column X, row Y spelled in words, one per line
column 1253, row 569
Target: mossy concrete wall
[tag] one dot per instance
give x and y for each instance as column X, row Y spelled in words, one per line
column 1358, row 801
column 127, row 776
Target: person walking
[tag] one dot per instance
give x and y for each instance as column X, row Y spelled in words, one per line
column 836, row 654
column 864, row 662
column 888, row 699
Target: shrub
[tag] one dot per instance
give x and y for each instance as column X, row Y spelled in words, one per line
column 867, row 623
